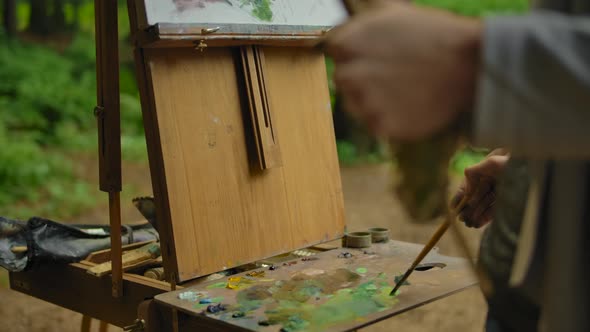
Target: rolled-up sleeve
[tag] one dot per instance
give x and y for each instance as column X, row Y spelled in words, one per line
column 534, row 87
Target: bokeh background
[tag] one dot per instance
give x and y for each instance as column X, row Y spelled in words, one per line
column 48, row 150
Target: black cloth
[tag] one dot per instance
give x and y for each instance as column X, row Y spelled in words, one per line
column 50, row 242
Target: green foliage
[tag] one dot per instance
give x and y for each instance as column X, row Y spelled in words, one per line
column 478, row 7
column 46, row 123
column 331, row 87
column 349, row 155
column 39, row 90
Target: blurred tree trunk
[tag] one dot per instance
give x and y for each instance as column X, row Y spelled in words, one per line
column 76, row 22
column 39, row 19
column 58, row 16
column 9, row 16
column 47, row 17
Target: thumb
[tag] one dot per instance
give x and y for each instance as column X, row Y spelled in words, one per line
column 491, row 167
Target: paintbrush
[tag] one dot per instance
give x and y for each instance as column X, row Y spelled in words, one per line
column 450, row 218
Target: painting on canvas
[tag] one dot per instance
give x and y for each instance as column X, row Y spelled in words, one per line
column 259, row 12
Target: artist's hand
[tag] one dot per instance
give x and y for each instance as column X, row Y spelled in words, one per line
column 480, row 187
column 405, row 70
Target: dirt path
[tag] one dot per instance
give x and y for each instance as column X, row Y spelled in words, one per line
column 369, row 203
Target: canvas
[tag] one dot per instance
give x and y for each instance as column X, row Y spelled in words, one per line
column 258, row 12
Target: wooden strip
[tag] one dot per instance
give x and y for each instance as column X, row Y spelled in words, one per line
column 86, row 323
column 133, row 19
column 256, row 104
column 149, row 39
column 273, row 152
column 19, row 249
column 116, row 243
column 102, row 256
column 247, row 74
column 109, row 126
column 267, row 146
column 157, row 172
column 107, row 69
column 130, row 259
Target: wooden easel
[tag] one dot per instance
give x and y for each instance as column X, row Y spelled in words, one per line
column 243, row 165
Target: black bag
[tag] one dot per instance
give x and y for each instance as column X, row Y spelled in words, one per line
column 49, row 242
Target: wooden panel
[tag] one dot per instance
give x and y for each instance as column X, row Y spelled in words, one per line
column 330, row 293
column 222, row 212
column 298, row 91
column 70, row 287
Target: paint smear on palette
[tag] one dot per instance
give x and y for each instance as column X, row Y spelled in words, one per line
column 398, row 278
column 204, row 304
column 315, row 302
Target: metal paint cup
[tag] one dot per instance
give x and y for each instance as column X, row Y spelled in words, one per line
column 379, row 235
column 358, row 240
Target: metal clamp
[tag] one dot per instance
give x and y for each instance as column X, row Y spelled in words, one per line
column 201, row 46
column 98, row 111
column 138, row 326
column 208, row 31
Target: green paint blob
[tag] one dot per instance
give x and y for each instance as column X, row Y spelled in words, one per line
column 217, row 285
column 361, row 270
column 294, row 323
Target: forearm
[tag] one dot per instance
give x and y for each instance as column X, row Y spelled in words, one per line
column 534, row 88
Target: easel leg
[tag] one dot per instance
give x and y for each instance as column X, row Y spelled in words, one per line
column 86, row 324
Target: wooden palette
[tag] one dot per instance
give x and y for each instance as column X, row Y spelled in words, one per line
column 328, row 294
column 216, row 208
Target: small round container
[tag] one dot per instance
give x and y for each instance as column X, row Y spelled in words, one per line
column 155, row 273
column 379, row 235
column 358, row 240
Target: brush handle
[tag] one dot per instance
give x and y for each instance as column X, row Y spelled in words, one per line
column 427, row 248
column 431, row 243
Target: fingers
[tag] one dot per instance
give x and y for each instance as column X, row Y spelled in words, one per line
column 499, row 152
column 480, row 182
column 481, row 195
column 458, row 197
column 478, row 213
column 485, row 205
